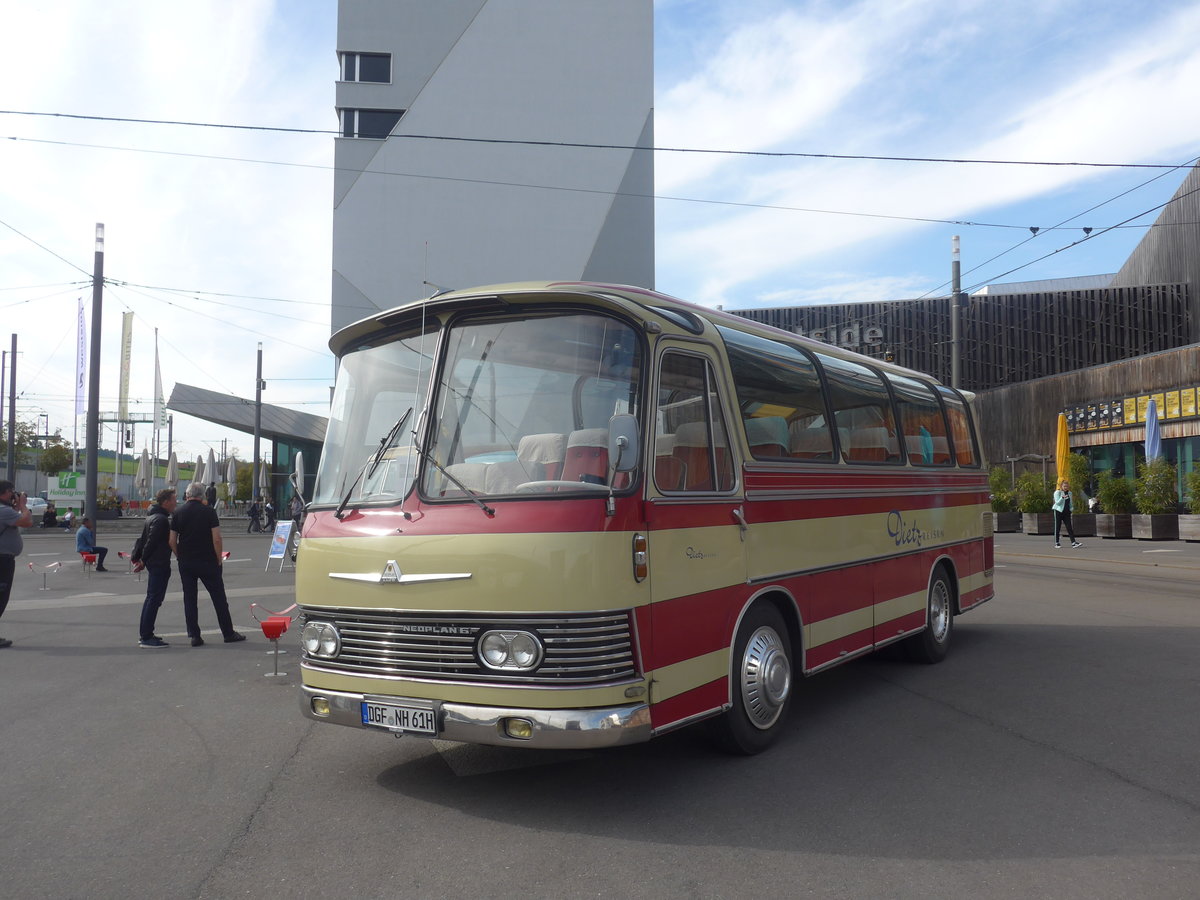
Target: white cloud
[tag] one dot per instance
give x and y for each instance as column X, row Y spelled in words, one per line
column 1125, row 104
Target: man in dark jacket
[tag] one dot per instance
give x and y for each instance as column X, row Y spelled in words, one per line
column 153, row 550
column 196, row 540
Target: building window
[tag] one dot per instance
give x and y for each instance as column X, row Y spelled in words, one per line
column 372, row 67
column 376, row 124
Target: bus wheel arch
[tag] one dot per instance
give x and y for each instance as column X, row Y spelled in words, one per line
column 762, row 676
column 941, row 606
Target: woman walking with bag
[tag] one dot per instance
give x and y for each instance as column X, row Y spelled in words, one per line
column 1062, row 513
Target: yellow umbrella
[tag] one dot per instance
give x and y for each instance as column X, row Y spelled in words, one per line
column 1062, row 451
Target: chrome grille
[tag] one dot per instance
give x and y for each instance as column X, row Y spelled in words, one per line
column 592, row 648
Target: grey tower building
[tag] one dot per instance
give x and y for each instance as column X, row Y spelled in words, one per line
column 451, row 167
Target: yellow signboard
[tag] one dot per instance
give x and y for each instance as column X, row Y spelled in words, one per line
column 1131, row 411
column 1142, row 403
column 1187, row 402
column 1171, row 405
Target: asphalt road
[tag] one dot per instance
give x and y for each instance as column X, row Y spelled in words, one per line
column 1054, row 754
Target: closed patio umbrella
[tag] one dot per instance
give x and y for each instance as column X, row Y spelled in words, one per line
column 1062, row 451
column 172, row 470
column 210, row 468
column 142, row 478
column 198, row 474
column 264, row 478
column 1153, row 435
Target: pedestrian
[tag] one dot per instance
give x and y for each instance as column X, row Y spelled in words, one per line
column 210, row 495
column 196, row 542
column 85, row 542
column 269, row 509
column 1062, row 513
column 14, row 515
column 297, row 508
column 153, row 552
column 253, row 515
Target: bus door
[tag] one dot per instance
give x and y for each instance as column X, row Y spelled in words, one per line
column 695, row 533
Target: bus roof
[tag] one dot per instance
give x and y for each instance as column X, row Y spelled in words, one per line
column 639, row 301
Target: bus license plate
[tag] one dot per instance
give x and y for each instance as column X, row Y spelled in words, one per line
column 407, row 719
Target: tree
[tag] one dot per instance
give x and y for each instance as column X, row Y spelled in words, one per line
column 26, row 440
column 54, row 459
column 244, row 474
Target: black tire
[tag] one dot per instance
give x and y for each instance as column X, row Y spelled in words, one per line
column 762, row 684
column 932, row 644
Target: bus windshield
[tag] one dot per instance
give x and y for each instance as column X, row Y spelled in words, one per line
column 367, row 458
column 523, row 404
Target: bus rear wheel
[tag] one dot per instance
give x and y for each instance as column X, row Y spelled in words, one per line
column 932, row 644
column 762, row 683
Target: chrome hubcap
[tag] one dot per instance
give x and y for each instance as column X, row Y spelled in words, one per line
column 766, row 677
column 939, row 610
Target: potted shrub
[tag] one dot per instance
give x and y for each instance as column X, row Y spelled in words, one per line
column 1082, row 519
column 1157, row 503
column 1005, row 516
column 1115, row 496
column 1035, row 499
column 1189, row 525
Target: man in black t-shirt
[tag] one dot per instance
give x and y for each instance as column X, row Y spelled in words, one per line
column 196, row 542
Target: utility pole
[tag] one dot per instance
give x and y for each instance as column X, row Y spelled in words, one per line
column 92, row 431
column 955, row 314
column 12, row 412
column 258, row 386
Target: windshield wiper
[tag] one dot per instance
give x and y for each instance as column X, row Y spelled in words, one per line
column 369, row 467
column 428, row 457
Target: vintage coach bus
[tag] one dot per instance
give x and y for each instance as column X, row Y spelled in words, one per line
column 581, row 515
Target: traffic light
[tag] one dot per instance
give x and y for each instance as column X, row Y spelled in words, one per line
column 128, row 438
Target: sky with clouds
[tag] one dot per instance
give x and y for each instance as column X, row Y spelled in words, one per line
column 220, row 238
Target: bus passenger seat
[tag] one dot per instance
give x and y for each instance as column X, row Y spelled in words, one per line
column 810, row 443
column 472, row 475
column 546, row 449
column 767, row 435
column 669, row 472
column 691, row 449
column 587, row 456
column 503, row 477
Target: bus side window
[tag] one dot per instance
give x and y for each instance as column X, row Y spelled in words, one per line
column 926, row 436
column 960, row 428
column 862, row 409
column 779, row 394
column 691, row 445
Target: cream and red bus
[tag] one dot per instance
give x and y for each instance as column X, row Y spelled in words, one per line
column 573, row 515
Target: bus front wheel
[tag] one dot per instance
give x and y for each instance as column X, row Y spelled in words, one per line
column 762, row 683
column 932, row 644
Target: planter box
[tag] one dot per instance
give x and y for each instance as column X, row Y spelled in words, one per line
column 1038, row 523
column 1189, row 528
column 1114, row 525
column 1156, row 528
column 1010, row 521
column 1084, row 524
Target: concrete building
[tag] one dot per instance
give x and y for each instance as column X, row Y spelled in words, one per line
column 485, row 141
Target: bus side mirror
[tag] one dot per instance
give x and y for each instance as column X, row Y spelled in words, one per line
column 623, row 451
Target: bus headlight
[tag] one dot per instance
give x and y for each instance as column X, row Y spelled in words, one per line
column 321, row 639
column 518, row 651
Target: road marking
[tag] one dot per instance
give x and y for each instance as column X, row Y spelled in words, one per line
column 43, row 554
column 1161, row 551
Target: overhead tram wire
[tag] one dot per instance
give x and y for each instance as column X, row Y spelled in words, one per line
column 47, row 249
column 226, row 322
column 1062, row 226
column 773, row 154
column 527, row 185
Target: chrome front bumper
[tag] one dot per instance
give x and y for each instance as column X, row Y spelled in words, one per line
column 553, row 729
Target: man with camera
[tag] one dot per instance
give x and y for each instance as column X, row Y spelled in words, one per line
column 14, row 515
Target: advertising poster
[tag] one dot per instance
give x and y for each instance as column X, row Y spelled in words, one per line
column 1187, row 402
column 279, row 542
column 1172, row 404
column 1130, row 411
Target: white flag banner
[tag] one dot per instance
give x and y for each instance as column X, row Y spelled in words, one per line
column 126, row 353
column 160, row 407
column 80, row 365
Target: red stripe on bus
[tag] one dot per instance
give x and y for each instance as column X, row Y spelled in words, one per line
column 698, row 700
